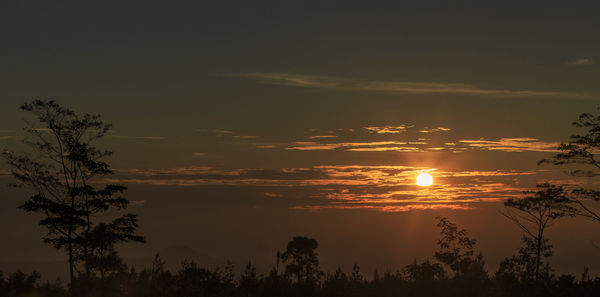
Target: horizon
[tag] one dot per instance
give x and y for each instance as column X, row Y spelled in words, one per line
column 237, row 126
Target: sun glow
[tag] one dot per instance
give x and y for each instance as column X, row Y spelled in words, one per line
column 424, row 180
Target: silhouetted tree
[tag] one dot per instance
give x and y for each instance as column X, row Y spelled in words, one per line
column 523, row 267
column 302, row 260
column 192, row 280
column 60, row 173
column 275, row 285
column 19, row 284
column 457, row 251
column 249, row 281
column 355, row 275
column 161, row 281
column 582, row 150
column 532, row 214
column 277, row 260
column 426, row 271
column 339, row 284
column 420, row 279
column 102, row 257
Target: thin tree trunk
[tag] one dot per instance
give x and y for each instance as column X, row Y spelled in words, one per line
column 71, row 264
column 537, row 259
column 70, row 241
column 86, row 254
column 277, row 263
column 87, row 237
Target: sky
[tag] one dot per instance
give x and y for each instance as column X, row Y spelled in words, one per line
column 240, row 124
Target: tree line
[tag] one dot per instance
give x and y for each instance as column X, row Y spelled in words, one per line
column 87, row 220
column 457, row 269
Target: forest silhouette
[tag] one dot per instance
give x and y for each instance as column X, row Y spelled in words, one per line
column 87, row 220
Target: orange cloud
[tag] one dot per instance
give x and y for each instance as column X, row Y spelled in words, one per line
column 136, row 137
column 381, row 188
column 438, row 129
column 245, row 136
column 351, row 146
column 386, row 149
column 513, row 145
column 388, row 129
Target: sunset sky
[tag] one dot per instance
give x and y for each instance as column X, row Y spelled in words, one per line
column 239, row 124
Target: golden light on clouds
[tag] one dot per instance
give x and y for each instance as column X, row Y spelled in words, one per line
column 386, row 188
column 424, row 180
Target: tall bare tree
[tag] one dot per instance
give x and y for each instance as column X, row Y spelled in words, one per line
column 533, row 215
column 59, row 169
column 582, row 149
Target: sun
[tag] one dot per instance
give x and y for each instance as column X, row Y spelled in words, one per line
column 424, row 180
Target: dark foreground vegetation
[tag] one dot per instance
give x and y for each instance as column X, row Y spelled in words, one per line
column 455, row 271
column 87, row 220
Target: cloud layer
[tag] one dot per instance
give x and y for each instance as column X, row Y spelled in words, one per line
column 405, row 87
column 583, row 62
column 514, row 145
column 383, row 188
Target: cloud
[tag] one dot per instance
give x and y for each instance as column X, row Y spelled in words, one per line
column 272, row 195
column 190, row 170
column 438, row 129
column 583, row 62
column 513, row 145
column 388, row 129
column 137, row 202
column 386, row 149
column 373, row 146
column 223, row 132
column 324, row 174
column 136, row 137
column 244, row 136
column 199, row 154
column 401, row 87
column 322, row 136
column 402, row 208
column 350, row 146
column 381, row 188
column 38, row 129
column 8, row 137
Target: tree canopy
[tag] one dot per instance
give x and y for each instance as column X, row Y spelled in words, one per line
column 60, row 170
